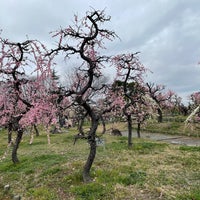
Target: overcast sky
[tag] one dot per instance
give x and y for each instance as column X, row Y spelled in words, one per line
column 166, row 32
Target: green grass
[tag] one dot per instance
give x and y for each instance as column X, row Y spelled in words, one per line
column 190, row 148
column 148, row 170
column 174, row 126
column 189, row 195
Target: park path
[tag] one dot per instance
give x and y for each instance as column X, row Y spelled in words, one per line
column 173, row 139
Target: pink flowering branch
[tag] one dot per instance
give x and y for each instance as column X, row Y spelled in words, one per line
column 18, row 97
column 129, row 85
column 84, row 39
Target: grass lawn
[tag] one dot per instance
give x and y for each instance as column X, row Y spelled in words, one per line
column 173, row 126
column 149, row 170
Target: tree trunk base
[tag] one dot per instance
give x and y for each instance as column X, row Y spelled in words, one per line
column 86, row 178
column 86, row 171
column 16, row 146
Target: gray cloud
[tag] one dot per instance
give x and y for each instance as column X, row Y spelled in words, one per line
column 166, row 32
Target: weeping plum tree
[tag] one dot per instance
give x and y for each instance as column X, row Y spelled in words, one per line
column 20, row 105
column 84, row 40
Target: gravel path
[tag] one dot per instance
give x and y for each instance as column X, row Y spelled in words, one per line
column 173, row 139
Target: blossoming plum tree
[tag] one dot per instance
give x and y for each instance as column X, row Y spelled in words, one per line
column 84, row 40
column 195, row 99
column 163, row 99
column 129, row 85
column 24, row 102
column 194, row 116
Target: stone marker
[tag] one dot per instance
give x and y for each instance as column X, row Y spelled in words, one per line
column 17, row 197
column 6, row 187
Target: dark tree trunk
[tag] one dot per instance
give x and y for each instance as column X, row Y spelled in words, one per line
column 81, row 122
column 160, row 117
column 9, row 134
column 61, row 120
column 80, row 126
column 129, row 120
column 16, row 145
column 36, row 130
column 92, row 153
column 104, row 125
column 138, row 129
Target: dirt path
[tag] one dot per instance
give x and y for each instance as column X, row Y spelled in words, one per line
column 173, row 139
